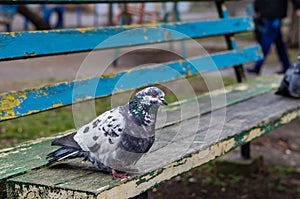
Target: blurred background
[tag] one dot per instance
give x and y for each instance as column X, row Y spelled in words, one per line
column 278, row 176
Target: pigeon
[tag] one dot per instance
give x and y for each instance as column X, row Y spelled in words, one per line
column 115, row 140
column 290, row 85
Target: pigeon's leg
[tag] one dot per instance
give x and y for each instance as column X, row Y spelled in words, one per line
column 118, row 175
column 102, row 167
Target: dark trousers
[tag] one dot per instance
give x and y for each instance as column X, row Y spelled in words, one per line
column 272, row 34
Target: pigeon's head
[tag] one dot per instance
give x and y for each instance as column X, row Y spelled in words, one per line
column 144, row 105
column 151, row 96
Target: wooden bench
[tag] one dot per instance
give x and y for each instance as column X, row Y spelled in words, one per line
column 194, row 126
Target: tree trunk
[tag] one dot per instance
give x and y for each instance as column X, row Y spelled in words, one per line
column 36, row 20
column 293, row 33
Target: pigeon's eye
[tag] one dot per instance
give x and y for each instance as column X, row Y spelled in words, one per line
column 154, row 95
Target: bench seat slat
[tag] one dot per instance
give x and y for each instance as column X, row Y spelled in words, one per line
column 40, row 43
column 32, row 154
column 18, row 104
column 245, row 121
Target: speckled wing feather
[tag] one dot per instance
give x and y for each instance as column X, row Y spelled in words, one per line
column 103, row 134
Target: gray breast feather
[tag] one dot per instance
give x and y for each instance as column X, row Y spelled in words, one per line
column 136, row 145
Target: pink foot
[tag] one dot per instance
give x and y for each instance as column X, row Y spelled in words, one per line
column 118, row 175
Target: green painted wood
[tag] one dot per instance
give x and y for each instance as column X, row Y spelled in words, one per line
column 34, row 100
column 20, row 159
column 28, row 44
column 245, row 121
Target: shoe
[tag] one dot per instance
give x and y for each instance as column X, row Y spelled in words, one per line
column 281, row 72
column 253, row 69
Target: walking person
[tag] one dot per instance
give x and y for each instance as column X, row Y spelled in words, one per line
column 271, row 12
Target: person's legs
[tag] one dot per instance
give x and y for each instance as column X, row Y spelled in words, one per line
column 269, row 35
column 282, row 53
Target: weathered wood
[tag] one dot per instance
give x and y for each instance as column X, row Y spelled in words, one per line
column 30, row 44
column 234, row 93
column 29, row 101
column 245, row 121
column 26, row 156
column 32, row 155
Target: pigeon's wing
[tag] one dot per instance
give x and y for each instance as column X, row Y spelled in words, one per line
column 103, row 134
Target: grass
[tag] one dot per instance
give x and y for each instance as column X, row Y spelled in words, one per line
column 35, row 126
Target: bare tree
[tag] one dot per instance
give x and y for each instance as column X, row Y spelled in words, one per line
column 35, row 19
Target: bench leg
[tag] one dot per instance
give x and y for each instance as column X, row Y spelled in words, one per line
column 142, row 196
column 245, row 151
column 239, row 73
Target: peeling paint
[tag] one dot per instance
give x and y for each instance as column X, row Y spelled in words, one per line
column 149, row 176
column 147, row 25
column 180, row 162
column 254, row 133
column 84, row 30
column 289, row 117
column 10, row 101
column 57, row 105
column 33, row 111
column 33, row 192
column 111, row 75
column 33, row 54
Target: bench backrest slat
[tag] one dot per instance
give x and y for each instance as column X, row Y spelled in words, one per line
column 26, row 102
column 41, row 43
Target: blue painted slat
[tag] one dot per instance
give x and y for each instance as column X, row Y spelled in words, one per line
column 40, row 43
column 26, row 102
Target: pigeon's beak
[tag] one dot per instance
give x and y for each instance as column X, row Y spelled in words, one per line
column 163, row 101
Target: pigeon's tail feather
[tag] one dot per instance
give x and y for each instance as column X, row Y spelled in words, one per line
column 66, row 153
column 66, row 141
column 69, row 149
